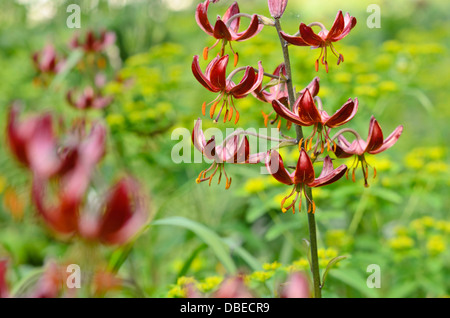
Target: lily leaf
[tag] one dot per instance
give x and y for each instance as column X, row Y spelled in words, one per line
column 330, row 264
column 208, row 236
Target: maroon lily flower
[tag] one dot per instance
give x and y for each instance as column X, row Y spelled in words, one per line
column 233, row 150
column 277, row 7
column 341, row 27
column 306, row 113
column 121, row 216
column 226, row 28
column 33, row 143
column 278, row 92
column 47, row 60
column 89, row 99
column 78, row 159
column 373, row 145
column 92, row 42
column 214, row 79
column 302, row 176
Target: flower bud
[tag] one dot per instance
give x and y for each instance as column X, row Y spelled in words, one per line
column 277, row 7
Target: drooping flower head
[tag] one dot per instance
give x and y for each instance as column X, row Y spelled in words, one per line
column 234, row 150
column 305, row 112
column 48, row 61
column 303, row 176
column 325, row 38
column 93, row 42
column 89, row 99
column 373, row 145
column 226, row 28
column 215, row 80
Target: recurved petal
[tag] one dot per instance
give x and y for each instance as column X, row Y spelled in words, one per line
column 232, row 10
column 201, row 16
column 328, row 174
column 304, row 172
column 286, row 113
column 253, row 29
column 309, row 36
column 375, row 138
column 201, row 78
column 198, row 138
column 338, row 26
column 349, row 24
column 344, row 114
column 313, row 87
column 294, row 40
column 390, row 140
column 275, row 166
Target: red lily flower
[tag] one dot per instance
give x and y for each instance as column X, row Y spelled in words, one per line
column 214, row 79
column 121, row 216
column 92, row 42
column 324, row 39
column 306, row 113
column 47, row 60
column 373, row 145
column 226, row 28
column 233, row 150
column 89, row 99
column 233, row 287
column 278, row 91
column 33, row 142
column 302, row 176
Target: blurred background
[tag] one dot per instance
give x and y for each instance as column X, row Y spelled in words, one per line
column 399, row 72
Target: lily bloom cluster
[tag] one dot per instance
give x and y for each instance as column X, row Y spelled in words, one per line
column 68, row 164
column 49, row 62
column 302, row 109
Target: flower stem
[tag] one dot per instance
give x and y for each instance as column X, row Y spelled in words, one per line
column 299, row 133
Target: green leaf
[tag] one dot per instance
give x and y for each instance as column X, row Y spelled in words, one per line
column 330, row 265
column 278, row 229
column 404, row 290
column 214, row 241
column 254, row 264
column 189, row 261
column 119, row 257
column 354, row 279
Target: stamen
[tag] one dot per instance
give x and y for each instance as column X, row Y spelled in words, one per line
column 205, row 53
column 204, row 108
column 230, row 114
column 212, row 110
column 374, row 172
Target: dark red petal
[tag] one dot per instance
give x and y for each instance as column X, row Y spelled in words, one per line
column 389, row 141
column 294, row 40
column 232, row 10
column 201, row 16
column 329, row 175
column 275, row 166
column 4, row 290
column 286, row 113
column 304, row 172
column 218, row 73
column 221, row 31
column 338, row 26
column 253, row 29
column 307, row 110
column 309, row 36
column 375, row 138
column 243, row 152
column 344, row 114
column 313, row 87
column 205, row 81
column 349, row 24
column 244, row 87
column 198, row 138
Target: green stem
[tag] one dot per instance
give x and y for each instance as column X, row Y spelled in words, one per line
column 299, row 133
